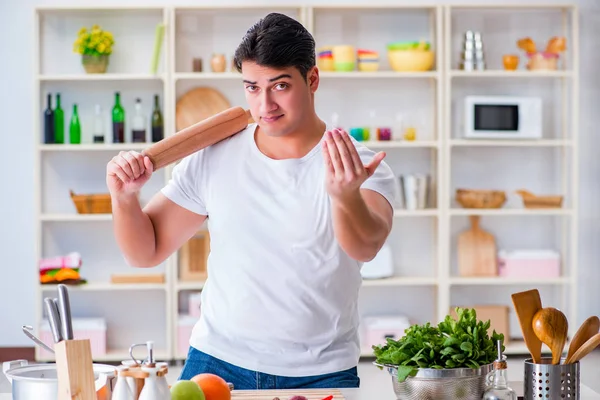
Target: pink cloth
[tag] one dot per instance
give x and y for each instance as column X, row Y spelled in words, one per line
column 71, row 260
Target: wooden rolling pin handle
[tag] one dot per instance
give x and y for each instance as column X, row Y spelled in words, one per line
column 197, row 136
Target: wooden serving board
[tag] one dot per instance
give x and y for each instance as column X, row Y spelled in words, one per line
column 477, row 251
column 285, row 394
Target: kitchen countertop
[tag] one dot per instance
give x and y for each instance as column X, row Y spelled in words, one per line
column 358, row 394
column 363, row 393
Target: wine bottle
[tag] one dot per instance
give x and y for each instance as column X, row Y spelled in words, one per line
column 118, row 120
column 49, row 121
column 59, row 122
column 157, row 122
column 75, row 127
column 98, row 125
column 138, row 125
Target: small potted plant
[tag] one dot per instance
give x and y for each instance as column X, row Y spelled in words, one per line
column 95, row 46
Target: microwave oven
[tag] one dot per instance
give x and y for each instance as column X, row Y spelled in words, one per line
column 503, row 117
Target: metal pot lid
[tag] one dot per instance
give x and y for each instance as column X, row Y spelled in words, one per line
column 47, row 372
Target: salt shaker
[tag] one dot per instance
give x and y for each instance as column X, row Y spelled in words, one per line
column 499, row 389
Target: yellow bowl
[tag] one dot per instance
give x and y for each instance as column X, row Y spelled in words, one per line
column 344, row 53
column 368, row 66
column 411, row 60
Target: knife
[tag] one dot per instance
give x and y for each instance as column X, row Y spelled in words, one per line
column 65, row 312
column 53, row 319
column 58, row 320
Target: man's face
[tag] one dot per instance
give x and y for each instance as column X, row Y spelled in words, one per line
column 279, row 99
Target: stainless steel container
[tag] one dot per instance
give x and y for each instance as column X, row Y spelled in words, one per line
column 442, row 384
column 415, row 191
column 472, row 56
column 39, row 381
column 548, row 381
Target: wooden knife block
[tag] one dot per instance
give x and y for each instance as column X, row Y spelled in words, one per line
column 75, row 370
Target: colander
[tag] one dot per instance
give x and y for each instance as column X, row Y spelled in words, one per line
column 442, row 384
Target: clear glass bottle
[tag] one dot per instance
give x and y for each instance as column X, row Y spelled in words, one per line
column 500, row 389
column 98, row 125
column 138, row 131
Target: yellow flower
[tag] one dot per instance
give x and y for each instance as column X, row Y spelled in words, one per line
column 82, row 31
column 101, row 48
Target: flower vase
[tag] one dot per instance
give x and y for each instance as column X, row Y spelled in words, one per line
column 94, row 64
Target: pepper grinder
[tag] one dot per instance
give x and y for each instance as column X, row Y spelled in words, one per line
column 499, row 389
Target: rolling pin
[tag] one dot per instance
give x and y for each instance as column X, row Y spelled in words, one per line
column 197, row 136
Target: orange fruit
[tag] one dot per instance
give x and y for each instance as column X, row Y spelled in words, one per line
column 213, row 386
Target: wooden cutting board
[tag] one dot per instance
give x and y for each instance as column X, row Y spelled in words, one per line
column 198, row 104
column 477, row 254
column 310, row 394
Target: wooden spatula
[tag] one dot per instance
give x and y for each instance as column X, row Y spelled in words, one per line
column 526, row 304
column 197, row 136
column 585, row 349
column 477, row 251
column 589, row 328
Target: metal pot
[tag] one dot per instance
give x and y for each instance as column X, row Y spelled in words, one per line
column 39, row 381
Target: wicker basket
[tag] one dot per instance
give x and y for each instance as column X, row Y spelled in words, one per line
column 92, row 203
column 469, row 198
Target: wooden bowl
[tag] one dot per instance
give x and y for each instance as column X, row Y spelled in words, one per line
column 471, row 198
column 530, row 200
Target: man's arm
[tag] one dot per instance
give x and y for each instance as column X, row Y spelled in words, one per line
column 147, row 237
column 362, row 224
column 362, row 218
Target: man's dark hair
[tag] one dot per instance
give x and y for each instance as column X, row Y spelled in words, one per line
column 277, row 41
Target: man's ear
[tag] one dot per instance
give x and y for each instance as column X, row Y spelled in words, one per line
column 313, row 79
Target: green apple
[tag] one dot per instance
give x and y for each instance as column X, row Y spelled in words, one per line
column 186, row 390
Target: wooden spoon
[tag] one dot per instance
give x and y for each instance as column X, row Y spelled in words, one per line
column 589, row 328
column 585, row 349
column 526, row 304
column 551, row 327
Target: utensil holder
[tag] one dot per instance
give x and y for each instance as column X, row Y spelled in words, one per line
column 548, row 381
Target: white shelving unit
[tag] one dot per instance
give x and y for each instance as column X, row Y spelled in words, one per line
column 426, row 283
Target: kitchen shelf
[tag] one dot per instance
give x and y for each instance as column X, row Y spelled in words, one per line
column 430, row 212
column 107, row 286
column 100, row 77
column 508, row 281
column 511, row 211
column 190, row 285
column 385, row 144
column 510, row 143
column 118, row 355
column 349, row 94
column 399, row 281
column 510, row 74
column 108, row 147
column 75, row 217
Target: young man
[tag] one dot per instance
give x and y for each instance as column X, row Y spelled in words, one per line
column 294, row 208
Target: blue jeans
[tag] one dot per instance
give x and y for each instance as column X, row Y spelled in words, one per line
column 198, row 362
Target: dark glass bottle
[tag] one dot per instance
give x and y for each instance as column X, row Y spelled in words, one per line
column 59, row 122
column 157, row 122
column 49, row 121
column 118, row 120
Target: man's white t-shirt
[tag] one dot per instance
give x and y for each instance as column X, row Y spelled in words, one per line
column 281, row 295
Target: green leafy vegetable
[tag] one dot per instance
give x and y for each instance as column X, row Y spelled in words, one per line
column 453, row 343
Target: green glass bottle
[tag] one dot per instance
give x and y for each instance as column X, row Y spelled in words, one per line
column 75, row 127
column 59, row 122
column 157, row 122
column 118, row 120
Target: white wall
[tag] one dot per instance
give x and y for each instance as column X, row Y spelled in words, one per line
column 17, row 282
